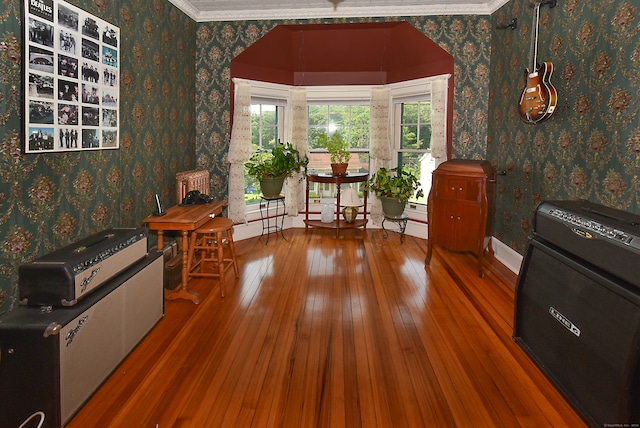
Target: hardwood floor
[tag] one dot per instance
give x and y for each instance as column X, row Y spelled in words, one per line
column 334, row 332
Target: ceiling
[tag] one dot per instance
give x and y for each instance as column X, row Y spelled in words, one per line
column 240, row 10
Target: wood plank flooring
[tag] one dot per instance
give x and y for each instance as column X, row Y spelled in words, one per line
column 320, row 331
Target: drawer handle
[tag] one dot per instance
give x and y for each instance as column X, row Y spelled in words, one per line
column 460, row 188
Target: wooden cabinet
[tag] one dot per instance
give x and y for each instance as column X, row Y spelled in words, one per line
column 461, row 207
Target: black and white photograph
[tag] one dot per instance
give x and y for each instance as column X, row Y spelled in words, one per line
column 110, row 76
column 90, row 28
column 90, row 94
column 90, row 138
column 109, row 138
column 90, row 50
column 71, row 82
column 41, row 112
column 109, row 118
column 40, row 138
column 67, row 90
column 90, row 72
column 40, row 59
column 90, row 116
column 40, row 86
column 68, row 42
column 67, row 138
column 40, row 33
column 110, row 36
column 67, row 66
column 110, row 98
column 67, row 18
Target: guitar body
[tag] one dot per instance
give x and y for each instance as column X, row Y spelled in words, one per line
column 539, row 98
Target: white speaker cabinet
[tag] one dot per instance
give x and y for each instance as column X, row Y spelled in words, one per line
column 53, row 359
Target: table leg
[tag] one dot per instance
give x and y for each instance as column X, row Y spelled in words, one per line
column 160, row 240
column 183, row 292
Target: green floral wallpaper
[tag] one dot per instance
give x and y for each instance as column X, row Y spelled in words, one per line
column 50, row 200
column 590, row 147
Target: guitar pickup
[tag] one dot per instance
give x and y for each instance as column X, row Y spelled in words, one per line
column 534, row 89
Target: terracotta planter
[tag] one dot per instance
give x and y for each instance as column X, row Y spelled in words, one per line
column 339, row 168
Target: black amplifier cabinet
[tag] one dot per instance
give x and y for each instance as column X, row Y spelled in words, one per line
column 577, row 312
column 66, row 275
column 53, row 359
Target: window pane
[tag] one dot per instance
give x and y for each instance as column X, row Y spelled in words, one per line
column 351, row 122
column 409, row 137
column 409, row 113
column 269, row 137
column 318, row 116
column 269, row 115
column 339, row 116
column 425, row 136
column 421, row 165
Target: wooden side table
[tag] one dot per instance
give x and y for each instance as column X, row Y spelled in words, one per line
column 338, row 180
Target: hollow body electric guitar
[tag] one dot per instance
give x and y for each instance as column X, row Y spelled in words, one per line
column 539, row 98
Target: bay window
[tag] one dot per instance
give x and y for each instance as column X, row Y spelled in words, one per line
column 347, row 110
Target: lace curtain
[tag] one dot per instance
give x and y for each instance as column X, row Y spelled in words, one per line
column 298, row 122
column 439, row 91
column 239, row 149
column 380, row 138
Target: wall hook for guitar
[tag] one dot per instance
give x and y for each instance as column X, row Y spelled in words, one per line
column 513, row 25
column 539, row 98
column 550, row 3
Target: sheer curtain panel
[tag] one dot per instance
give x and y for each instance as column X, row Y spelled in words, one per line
column 239, row 149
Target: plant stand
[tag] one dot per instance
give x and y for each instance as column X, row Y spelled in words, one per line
column 270, row 215
column 400, row 220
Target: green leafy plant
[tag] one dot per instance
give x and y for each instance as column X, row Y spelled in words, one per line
column 282, row 160
column 336, row 146
column 395, row 183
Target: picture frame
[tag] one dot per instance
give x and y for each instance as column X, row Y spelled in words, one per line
column 71, row 79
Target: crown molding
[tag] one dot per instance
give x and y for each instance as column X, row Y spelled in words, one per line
column 342, row 11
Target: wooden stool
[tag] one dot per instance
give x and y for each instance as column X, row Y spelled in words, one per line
column 209, row 241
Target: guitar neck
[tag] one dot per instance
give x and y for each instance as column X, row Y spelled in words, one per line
column 533, row 50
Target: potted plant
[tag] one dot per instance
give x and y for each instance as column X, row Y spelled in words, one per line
column 338, row 150
column 394, row 187
column 270, row 168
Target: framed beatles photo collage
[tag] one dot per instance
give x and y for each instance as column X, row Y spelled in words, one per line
column 71, row 79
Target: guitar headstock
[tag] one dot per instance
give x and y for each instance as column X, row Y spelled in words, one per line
column 550, row 3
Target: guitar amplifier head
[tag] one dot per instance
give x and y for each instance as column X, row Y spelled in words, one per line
column 64, row 276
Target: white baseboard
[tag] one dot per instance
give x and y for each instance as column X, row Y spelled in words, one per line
column 506, row 255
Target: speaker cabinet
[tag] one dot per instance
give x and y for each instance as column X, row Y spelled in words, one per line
column 581, row 326
column 53, row 359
